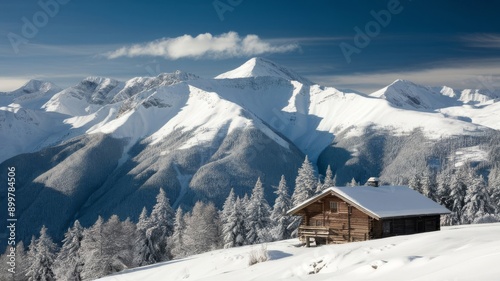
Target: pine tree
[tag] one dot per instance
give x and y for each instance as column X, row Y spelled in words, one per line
column 162, row 227
column 30, row 255
column 415, row 183
column 458, row 190
column 128, row 253
column 201, row 233
column 258, row 216
column 319, row 187
column 240, row 219
column 44, row 255
column 176, row 241
column 428, row 185
column 329, row 179
column 477, row 202
column 144, row 247
column 68, row 264
column 227, row 220
column 353, row 183
column 282, row 204
column 5, row 274
column 21, row 263
column 443, row 195
column 305, row 183
column 494, row 188
column 91, row 251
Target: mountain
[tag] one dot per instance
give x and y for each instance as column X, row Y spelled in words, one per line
column 105, row 147
column 260, row 67
column 454, row 253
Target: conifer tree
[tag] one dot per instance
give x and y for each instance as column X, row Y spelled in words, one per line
column 240, row 218
column 144, row 247
column 228, row 220
column 176, row 241
column 305, row 183
column 21, row 263
column 69, row 263
column 282, row 205
column 476, row 202
column 162, row 225
column 353, row 182
column 42, row 259
column 91, row 251
column 329, row 179
column 458, row 190
column 258, row 216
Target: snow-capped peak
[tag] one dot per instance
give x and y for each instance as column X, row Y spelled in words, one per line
column 408, row 95
column 257, row 67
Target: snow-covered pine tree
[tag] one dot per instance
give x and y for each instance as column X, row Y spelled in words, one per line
column 68, row 264
column 282, row 204
column 21, row 263
column 91, row 251
column 443, row 195
column 176, row 241
column 44, row 254
column 319, row 187
column 228, row 221
column 4, row 266
column 415, row 183
column 128, row 253
column 458, row 190
column 329, row 179
column 30, row 254
column 144, row 248
column 162, row 226
column 239, row 218
column 305, row 183
column 428, row 185
column 477, row 202
column 258, row 216
column 353, row 182
column 201, row 233
column 494, row 188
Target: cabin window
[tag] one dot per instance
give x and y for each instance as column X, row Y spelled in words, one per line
column 334, row 207
column 319, row 223
column 387, row 227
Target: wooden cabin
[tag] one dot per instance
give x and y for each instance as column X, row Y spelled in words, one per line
column 346, row 214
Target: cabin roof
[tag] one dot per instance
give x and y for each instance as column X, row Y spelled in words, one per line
column 381, row 202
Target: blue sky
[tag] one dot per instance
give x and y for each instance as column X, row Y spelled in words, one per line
column 454, row 43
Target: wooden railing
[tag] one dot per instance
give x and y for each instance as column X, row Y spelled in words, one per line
column 318, row 231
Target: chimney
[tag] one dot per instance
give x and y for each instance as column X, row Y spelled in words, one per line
column 373, row 181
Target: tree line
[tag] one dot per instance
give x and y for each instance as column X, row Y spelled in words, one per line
column 163, row 234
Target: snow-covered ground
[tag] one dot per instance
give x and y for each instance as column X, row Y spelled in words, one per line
column 455, row 253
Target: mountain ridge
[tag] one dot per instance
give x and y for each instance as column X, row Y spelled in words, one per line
column 110, row 145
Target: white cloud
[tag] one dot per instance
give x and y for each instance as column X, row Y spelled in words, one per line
column 485, row 40
column 225, row 45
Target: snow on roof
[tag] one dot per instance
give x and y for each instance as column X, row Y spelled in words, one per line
column 383, row 201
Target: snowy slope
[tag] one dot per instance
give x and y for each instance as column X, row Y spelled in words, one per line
column 454, row 253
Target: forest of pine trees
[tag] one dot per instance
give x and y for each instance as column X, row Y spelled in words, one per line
column 112, row 245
